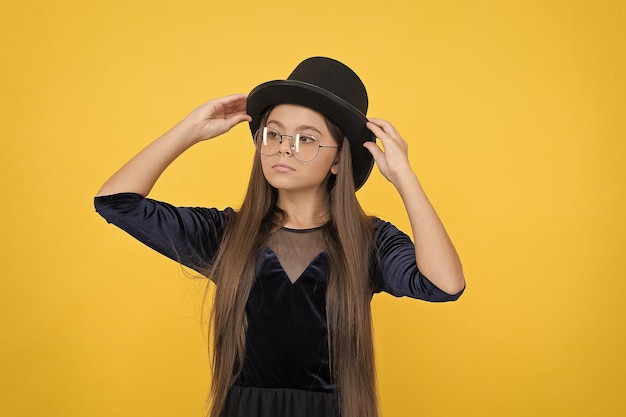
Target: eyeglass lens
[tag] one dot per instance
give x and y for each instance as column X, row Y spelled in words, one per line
column 304, row 147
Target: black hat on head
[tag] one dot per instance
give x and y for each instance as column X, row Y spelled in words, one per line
column 331, row 88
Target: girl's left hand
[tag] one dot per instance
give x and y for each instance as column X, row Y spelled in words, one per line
column 393, row 161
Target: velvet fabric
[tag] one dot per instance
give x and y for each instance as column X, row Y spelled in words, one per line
column 286, row 366
column 286, row 342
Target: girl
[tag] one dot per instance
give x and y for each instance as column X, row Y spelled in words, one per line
column 296, row 266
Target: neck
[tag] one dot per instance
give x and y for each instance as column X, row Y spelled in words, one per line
column 304, row 210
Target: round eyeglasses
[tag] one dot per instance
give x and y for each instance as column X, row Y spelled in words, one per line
column 304, row 147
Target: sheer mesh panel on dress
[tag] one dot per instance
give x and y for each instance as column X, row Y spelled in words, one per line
column 296, row 249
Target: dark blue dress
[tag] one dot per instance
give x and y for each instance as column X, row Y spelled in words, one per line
column 286, row 369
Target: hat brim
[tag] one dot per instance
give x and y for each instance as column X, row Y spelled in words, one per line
column 343, row 114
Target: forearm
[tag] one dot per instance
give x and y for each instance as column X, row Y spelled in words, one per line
column 435, row 255
column 207, row 121
column 434, row 251
column 141, row 173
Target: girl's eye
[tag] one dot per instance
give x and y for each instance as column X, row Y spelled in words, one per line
column 272, row 135
column 306, row 139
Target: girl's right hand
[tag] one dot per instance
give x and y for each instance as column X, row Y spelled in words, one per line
column 217, row 116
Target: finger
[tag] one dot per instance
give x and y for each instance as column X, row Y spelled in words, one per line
column 375, row 150
column 235, row 106
column 384, row 125
column 237, row 118
column 227, row 101
column 377, row 130
column 233, row 98
column 389, row 136
column 238, row 101
column 395, row 149
column 377, row 120
column 227, row 105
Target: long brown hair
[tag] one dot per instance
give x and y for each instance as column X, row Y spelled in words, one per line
column 349, row 237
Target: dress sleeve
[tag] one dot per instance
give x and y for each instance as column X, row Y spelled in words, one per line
column 395, row 269
column 189, row 235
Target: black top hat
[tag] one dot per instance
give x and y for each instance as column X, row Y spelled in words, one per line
column 334, row 90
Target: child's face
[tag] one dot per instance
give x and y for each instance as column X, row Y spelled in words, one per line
column 282, row 170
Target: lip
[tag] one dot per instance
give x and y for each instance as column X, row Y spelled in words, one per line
column 282, row 167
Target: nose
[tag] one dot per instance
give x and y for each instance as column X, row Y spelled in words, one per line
column 285, row 145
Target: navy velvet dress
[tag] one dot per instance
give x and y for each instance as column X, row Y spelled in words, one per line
column 286, row 369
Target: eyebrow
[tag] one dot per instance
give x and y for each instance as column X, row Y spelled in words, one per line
column 303, row 127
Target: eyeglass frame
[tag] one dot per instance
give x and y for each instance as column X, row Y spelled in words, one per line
column 292, row 145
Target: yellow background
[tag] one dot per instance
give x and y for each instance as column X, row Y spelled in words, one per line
column 515, row 115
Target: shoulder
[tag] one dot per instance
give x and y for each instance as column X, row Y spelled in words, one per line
column 129, row 202
column 131, row 210
column 385, row 230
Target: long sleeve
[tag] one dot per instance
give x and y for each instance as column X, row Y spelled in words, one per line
column 395, row 269
column 189, row 235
